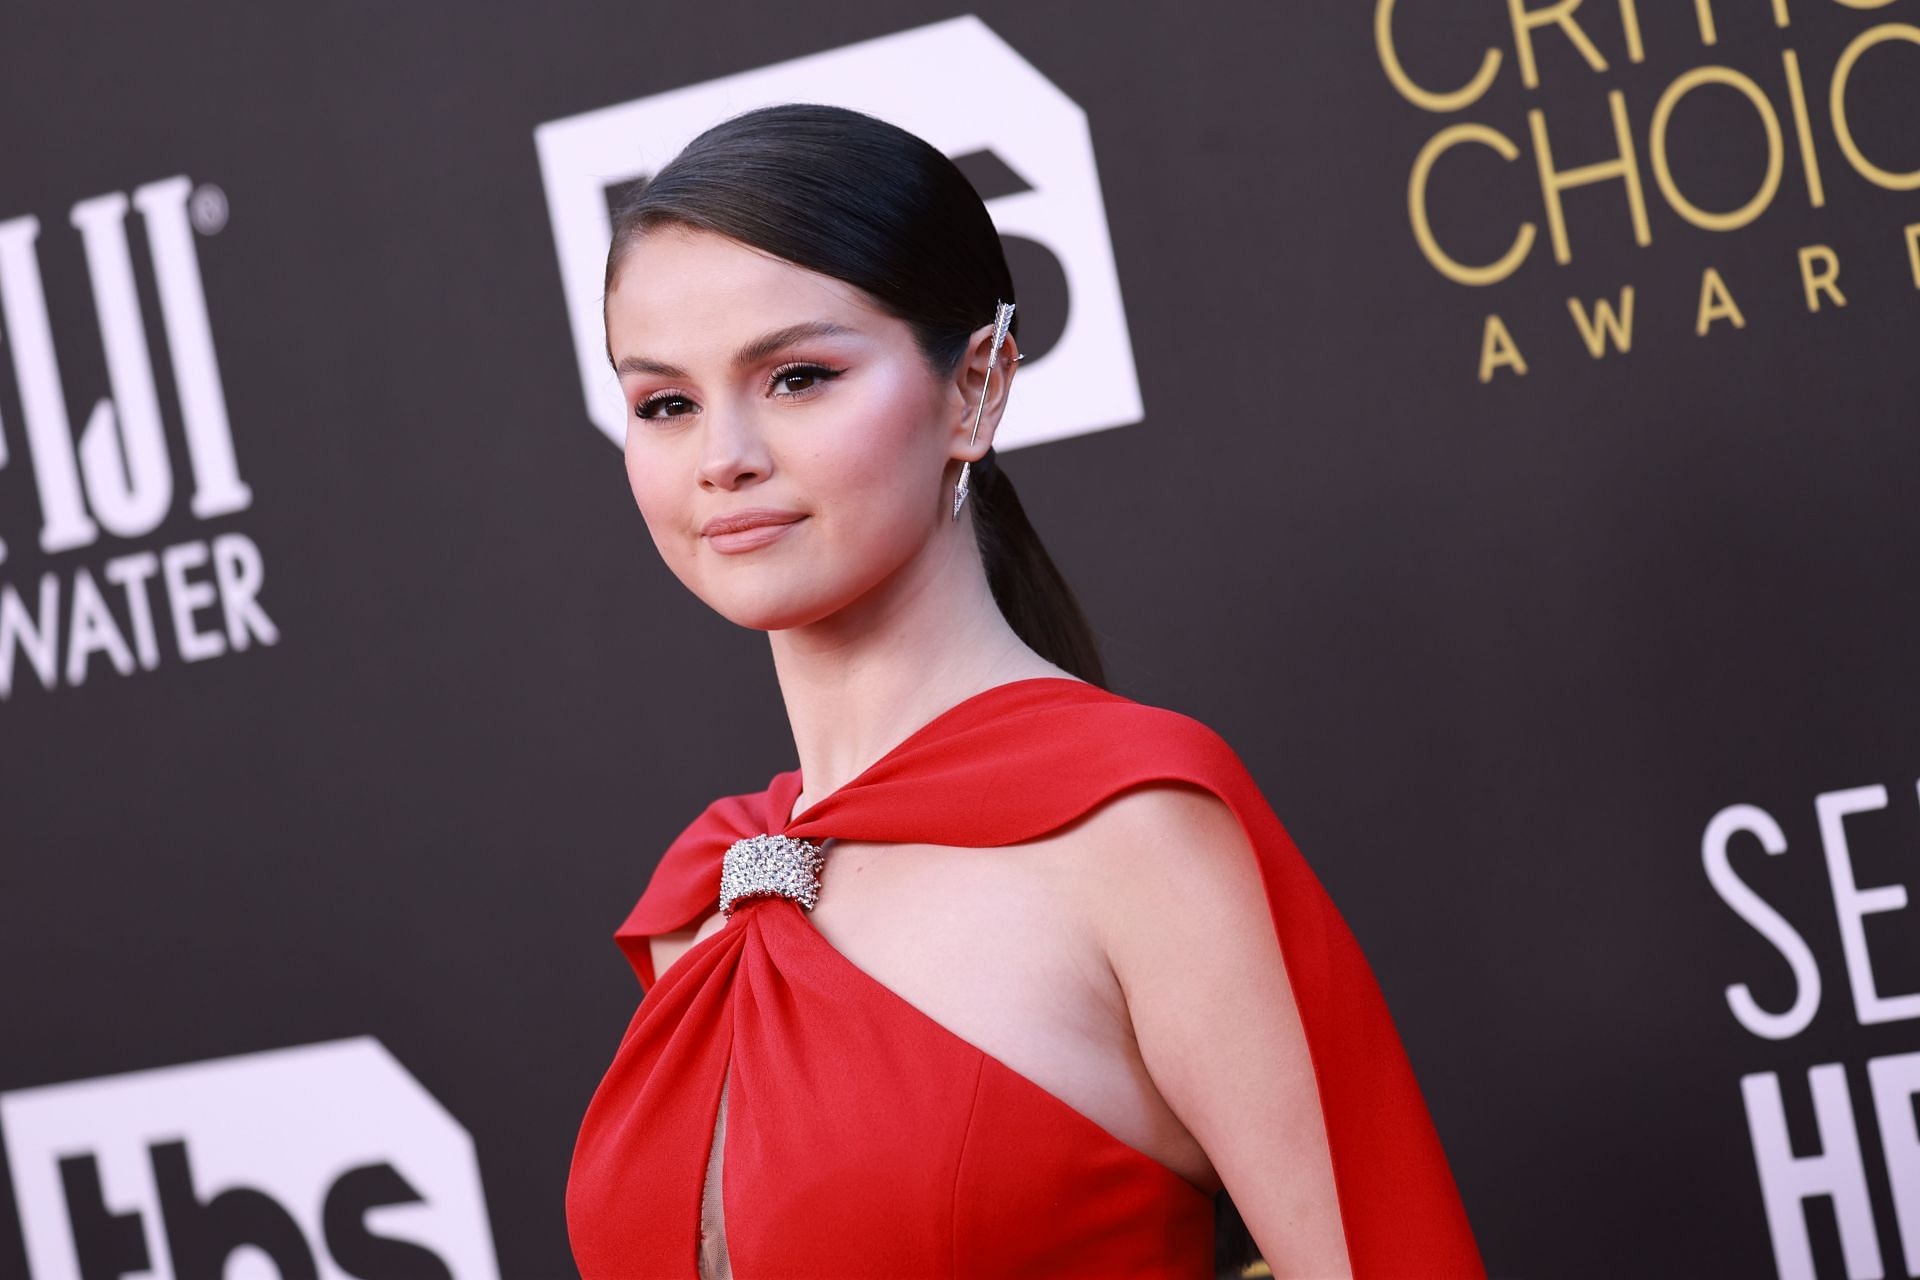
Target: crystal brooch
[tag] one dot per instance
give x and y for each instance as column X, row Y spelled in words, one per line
column 780, row 866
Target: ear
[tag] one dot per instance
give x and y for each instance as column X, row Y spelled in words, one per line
column 970, row 386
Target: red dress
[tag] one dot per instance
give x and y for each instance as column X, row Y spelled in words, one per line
column 864, row 1139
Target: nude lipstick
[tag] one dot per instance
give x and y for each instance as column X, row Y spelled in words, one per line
column 749, row 530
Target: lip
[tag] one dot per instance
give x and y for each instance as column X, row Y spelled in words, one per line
column 748, row 530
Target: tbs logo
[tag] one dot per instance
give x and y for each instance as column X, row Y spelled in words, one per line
column 320, row 1162
column 1025, row 146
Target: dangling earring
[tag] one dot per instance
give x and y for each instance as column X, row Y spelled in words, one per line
column 1002, row 317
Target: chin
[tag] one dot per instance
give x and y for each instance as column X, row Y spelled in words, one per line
column 782, row 587
column 775, row 609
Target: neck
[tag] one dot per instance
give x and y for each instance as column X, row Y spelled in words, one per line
column 858, row 683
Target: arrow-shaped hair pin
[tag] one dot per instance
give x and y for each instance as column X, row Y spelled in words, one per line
column 1002, row 320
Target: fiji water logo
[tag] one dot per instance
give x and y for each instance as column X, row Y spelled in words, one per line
column 1025, row 146
column 63, row 614
column 320, row 1162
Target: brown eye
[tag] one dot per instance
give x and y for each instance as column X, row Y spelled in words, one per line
column 648, row 408
column 809, row 376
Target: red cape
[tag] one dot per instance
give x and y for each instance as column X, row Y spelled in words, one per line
column 1022, row 759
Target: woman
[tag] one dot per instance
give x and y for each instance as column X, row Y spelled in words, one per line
column 1012, row 975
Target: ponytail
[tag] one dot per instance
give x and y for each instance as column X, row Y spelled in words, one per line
column 1033, row 596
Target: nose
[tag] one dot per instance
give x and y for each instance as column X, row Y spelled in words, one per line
column 733, row 453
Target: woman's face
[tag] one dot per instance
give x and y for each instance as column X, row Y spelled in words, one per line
column 756, row 386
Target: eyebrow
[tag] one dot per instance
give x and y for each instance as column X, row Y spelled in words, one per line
column 752, row 353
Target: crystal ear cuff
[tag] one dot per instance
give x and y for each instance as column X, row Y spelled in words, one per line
column 1002, row 318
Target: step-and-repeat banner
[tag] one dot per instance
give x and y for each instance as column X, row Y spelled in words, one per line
column 1499, row 418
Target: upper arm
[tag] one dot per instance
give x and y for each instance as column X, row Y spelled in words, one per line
column 1188, row 932
column 669, row 947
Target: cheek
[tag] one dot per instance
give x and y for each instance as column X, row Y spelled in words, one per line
column 653, row 492
column 887, row 453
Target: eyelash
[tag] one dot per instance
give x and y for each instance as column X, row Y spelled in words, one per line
column 820, row 373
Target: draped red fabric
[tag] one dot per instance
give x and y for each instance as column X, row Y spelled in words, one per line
column 864, row 1139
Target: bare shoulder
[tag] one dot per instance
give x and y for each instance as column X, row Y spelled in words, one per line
column 1171, row 857
column 1179, row 904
